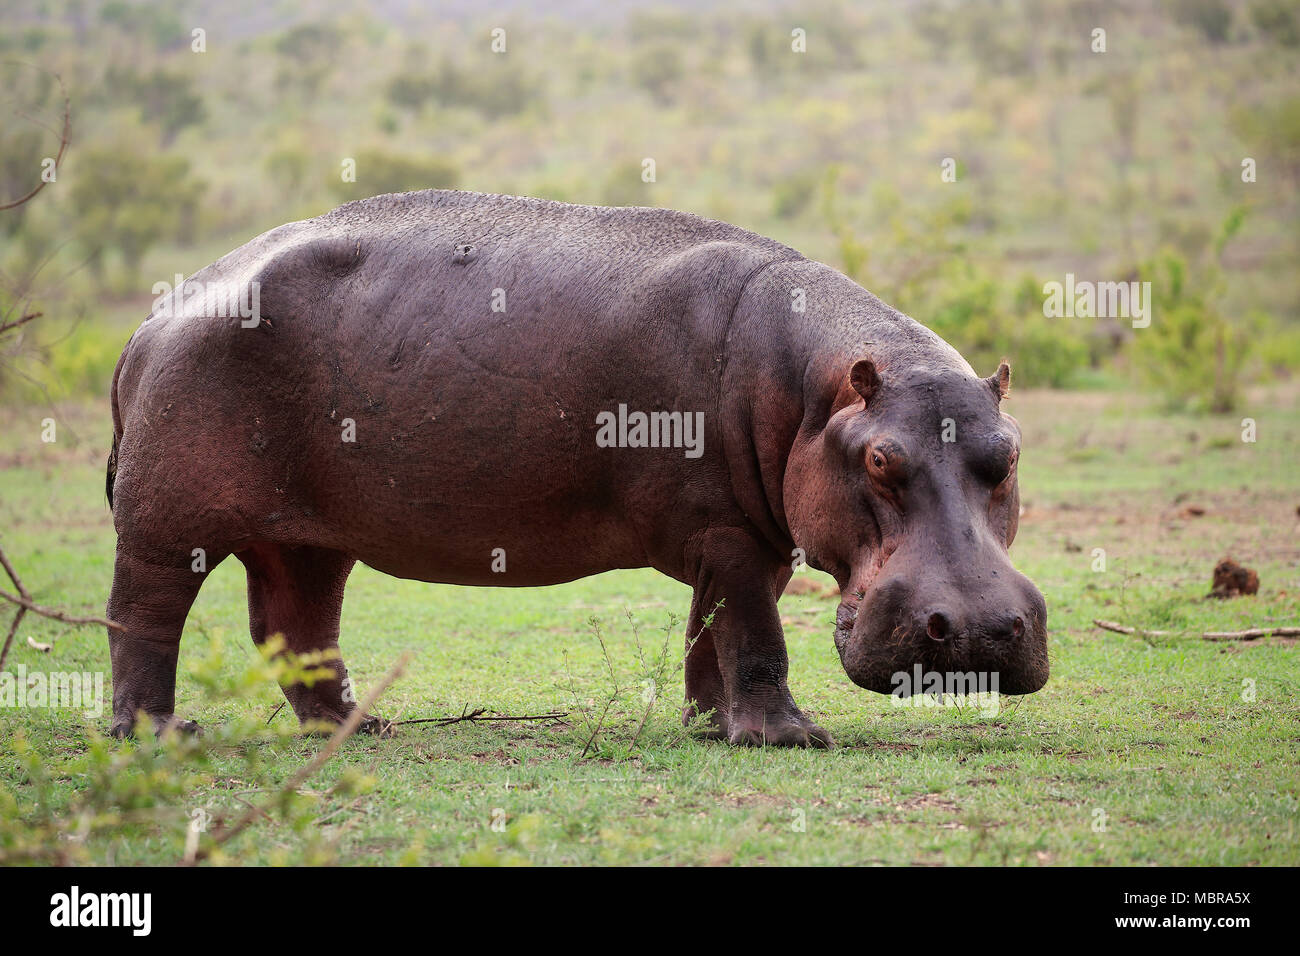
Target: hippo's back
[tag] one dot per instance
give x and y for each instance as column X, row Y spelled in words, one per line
column 442, row 245
column 425, row 372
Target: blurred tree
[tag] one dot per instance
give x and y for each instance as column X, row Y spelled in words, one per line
column 1191, row 353
column 1213, row 18
column 21, row 152
column 657, row 68
column 502, row 89
column 1124, row 97
column 127, row 202
column 165, row 97
column 157, row 24
column 1276, row 19
column 409, row 90
column 795, row 194
column 28, row 136
column 288, row 165
column 624, row 186
column 379, row 173
column 1274, row 131
column 308, row 52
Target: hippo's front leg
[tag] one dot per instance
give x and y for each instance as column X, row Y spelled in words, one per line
column 737, row 666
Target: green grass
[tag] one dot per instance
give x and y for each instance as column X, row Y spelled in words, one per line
column 1156, row 734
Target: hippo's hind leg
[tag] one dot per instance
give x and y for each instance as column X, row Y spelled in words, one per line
column 150, row 600
column 738, row 665
column 705, row 691
column 298, row 592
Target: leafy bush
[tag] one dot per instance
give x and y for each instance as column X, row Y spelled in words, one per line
column 1213, row 18
column 1276, row 20
column 161, row 789
column 1190, row 353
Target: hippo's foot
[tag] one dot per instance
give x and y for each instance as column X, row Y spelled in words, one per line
column 776, row 730
column 326, row 725
column 124, row 727
column 377, row 726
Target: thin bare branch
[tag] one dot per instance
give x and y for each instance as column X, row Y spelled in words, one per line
column 477, row 715
column 1249, row 634
column 63, row 148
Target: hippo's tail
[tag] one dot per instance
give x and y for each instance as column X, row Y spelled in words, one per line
column 112, row 473
column 111, row 476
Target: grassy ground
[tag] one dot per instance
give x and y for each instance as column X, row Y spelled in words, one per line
column 1170, row 750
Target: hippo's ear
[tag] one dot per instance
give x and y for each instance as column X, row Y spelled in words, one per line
column 865, row 379
column 1000, row 381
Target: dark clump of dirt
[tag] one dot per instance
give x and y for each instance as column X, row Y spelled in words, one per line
column 1232, row 580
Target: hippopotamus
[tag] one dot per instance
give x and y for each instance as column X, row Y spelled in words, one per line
column 477, row 389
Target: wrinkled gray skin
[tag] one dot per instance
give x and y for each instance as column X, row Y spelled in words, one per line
column 475, row 431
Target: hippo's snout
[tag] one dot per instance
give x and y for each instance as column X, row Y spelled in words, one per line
column 995, row 628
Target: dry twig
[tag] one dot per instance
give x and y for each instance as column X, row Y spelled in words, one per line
column 25, row 603
column 478, row 714
column 1247, row 635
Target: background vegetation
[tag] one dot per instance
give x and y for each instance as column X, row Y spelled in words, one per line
column 1121, row 164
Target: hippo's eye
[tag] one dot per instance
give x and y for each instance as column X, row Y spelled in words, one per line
column 885, row 462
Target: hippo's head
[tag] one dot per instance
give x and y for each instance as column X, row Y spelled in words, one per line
column 909, row 498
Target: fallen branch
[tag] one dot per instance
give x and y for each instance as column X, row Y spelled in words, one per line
column 1246, row 635
column 1122, row 629
column 479, row 714
column 1251, row 634
column 305, row 772
column 25, row 603
column 57, row 615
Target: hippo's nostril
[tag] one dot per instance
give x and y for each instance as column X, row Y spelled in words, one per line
column 937, row 627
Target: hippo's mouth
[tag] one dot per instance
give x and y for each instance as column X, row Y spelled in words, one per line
column 881, row 656
column 846, row 619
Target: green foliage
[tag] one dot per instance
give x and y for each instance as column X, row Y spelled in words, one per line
column 28, row 135
column 503, row 89
column 128, row 202
column 984, row 318
column 156, row 23
column 1276, row 127
column 67, row 809
column 1191, row 353
column 166, row 97
column 1276, row 19
column 307, row 54
column 81, row 362
column 657, row 68
column 795, row 194
column 1213, row 18
column 625, row 187
column 613, row 720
